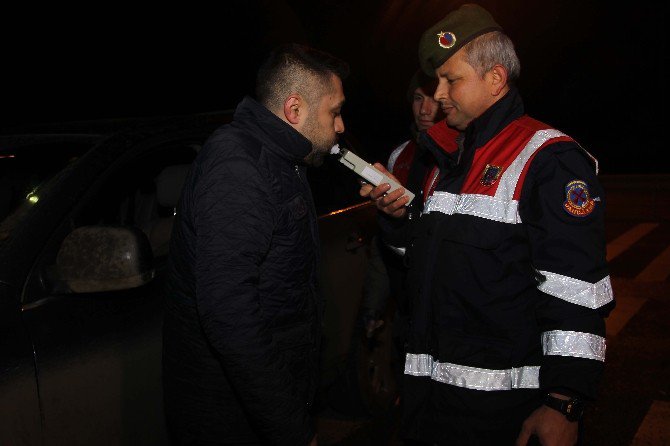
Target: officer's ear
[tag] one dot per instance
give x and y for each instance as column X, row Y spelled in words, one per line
column 293, row 109
column 497, row 79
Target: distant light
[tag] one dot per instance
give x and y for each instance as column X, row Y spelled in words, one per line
column 32, row 197
column 7, row 156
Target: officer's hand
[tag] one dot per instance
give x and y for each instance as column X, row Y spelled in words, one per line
column 392, row 203
column 313, row 442
column 366, row 188
column 551, row 428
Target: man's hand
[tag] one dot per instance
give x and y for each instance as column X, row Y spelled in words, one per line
column 392, row 203
column 313, row 442
column 551, row 428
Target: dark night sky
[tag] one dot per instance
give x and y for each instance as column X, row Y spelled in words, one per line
column 588, row 68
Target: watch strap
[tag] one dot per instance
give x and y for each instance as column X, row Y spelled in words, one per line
column 572, row 408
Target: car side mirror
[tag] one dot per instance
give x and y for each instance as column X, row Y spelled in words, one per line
column 104, row 258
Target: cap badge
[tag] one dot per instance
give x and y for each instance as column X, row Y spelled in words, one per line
column 490, row 175
column 578, row 201
column 446, row 39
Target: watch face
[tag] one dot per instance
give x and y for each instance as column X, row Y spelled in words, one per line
column 574, row 409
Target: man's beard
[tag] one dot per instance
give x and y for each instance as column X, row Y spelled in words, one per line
column 320, row 145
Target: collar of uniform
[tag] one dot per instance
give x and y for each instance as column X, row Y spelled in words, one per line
column 444, row 136
column 492, row 121
column 275, row 134
column 433, row 140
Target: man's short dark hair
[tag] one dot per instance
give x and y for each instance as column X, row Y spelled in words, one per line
column 295, row 68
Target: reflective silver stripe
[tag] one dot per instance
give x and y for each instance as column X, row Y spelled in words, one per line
column 527, row 377
column 431, row 186
column 394, row 156
column 501, row 207
column 443, row 202
column 593, row 158
column 574, row 343
column 398, row 250
column 586, row 294
column 418, row 364
column 510, row 177
column 486, row 379
column 389, row 166
column 483, row 206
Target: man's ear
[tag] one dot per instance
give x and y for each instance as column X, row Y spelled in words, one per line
column 498, row 79
column 292, row 109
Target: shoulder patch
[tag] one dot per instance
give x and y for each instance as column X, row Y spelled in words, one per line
column 490, row 175
column 578, row 201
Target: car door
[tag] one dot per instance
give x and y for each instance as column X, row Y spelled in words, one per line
column 19, row 404
column 98, row 354
column 26, row 161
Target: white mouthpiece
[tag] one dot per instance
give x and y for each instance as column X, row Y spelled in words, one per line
column 335, row 149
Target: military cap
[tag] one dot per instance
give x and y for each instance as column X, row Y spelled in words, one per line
column 442, row 40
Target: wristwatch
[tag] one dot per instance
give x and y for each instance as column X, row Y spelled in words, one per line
column 573, row 409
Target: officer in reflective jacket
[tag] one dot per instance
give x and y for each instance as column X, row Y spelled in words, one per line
column 507, row 264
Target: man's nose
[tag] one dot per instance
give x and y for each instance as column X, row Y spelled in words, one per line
column 339, row 125
column 426, row 106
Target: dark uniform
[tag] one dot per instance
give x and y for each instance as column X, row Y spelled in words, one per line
column 507, row 263
column 414, row 168
column 509, row 281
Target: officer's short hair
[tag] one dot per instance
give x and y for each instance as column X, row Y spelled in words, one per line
column 490, row 49
column 295, row 68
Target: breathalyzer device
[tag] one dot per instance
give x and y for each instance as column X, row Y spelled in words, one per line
column 367, row 170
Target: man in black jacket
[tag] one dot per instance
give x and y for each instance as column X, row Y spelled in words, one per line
column 243, row 317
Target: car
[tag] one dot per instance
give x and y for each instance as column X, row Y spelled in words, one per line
column 86, row 211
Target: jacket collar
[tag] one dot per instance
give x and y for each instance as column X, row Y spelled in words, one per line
column 482, row 129
column 278, row 136
column 442, row 141
column 448, row 147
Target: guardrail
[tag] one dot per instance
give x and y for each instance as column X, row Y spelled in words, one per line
column 639, row 197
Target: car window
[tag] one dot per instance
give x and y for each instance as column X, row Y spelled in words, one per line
column 136, row 192
column 24, row 168
column 143, row 193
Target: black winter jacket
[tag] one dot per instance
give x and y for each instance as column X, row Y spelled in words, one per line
column 242, row 320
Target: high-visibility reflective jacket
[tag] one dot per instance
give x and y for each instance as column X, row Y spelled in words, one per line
column 508, row 275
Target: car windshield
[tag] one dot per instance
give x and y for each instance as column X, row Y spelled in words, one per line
column 25, row 169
